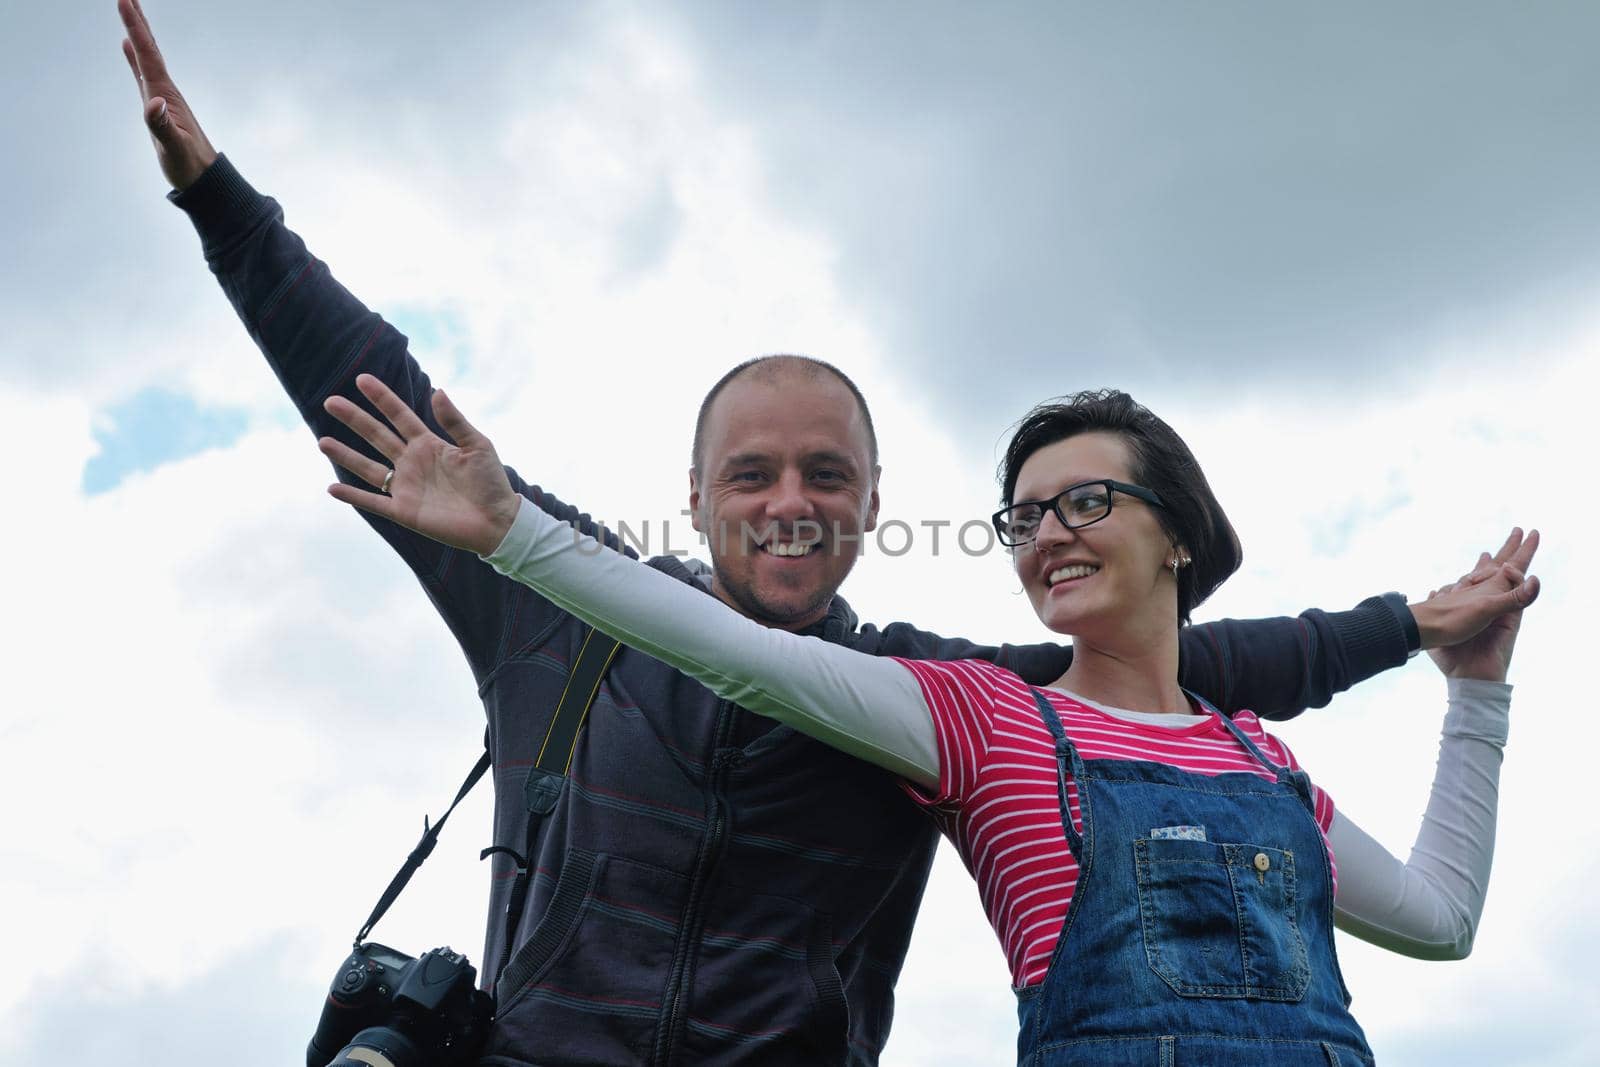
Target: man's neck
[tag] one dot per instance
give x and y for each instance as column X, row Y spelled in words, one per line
column 808, row 622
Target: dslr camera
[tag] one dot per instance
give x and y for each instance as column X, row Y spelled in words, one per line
column 386, row 1009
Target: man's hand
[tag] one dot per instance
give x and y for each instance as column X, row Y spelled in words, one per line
column 1470, row 626
column 457, row 494
column 181, row 146
column 1492, row 588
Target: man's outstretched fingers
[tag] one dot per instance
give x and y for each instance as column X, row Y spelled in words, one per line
column 144, row 38
column 149, row 64
column 182, row 148
column 1524, row 589
column 133, row 65
column 155, row 117
column 155, row 107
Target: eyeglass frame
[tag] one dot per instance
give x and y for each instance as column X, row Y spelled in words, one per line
column 1138, row 492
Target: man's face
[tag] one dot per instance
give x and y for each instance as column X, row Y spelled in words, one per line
column 785, row 490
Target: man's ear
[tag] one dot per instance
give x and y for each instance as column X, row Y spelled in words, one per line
column 694, row 500
column 872, row 503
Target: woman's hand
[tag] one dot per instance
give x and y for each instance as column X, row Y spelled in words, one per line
column 454, row 493
column 1487, row 654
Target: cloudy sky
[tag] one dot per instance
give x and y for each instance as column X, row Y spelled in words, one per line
column 1351, row 252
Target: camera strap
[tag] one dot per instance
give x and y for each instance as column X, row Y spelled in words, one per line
column 548, row 776
column 430, row 837
column 543, row 787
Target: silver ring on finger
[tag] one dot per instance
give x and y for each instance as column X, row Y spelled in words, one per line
column 387, row 478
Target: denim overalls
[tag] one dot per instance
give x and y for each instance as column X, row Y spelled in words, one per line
column 1201, row 930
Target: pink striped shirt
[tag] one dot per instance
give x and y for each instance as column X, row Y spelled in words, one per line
column 996, row 798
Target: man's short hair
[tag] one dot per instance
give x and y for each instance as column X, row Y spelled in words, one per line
column 770, row 368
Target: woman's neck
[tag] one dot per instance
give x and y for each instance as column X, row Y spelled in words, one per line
column 1137, row 675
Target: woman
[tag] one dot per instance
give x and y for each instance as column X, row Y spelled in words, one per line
column 1161, row 877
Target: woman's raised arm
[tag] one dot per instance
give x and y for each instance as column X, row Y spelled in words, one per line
column 457, row 493
column 1429, row 906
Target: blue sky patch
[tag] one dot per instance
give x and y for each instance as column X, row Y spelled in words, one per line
column 1332, row 531
column 153, row 428
column 437, row 336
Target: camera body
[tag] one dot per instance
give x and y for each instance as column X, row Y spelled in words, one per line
column 421, row 1011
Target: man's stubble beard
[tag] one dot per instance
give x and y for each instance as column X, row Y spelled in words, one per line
column 744, row 596
column 760, row 610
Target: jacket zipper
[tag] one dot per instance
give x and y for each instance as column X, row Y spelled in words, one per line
column 722, row 762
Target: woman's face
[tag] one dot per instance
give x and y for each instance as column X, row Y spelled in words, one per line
column 1102, row 581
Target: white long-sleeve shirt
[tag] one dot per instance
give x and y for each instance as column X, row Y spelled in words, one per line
column 872, row 708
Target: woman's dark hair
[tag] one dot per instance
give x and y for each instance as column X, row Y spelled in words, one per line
column 1192, row 517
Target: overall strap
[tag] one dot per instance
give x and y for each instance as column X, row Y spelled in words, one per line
column 548, row 775
column 1239, row 735
column 1299, row 781
column 1067, row 761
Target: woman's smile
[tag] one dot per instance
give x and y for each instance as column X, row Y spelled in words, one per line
column 1063, row 574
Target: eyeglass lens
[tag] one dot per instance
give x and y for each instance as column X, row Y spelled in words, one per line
column 1078, row 506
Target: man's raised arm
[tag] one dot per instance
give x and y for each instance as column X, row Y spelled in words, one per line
column 315, row 334
column 181, row 145
column 1278, row 667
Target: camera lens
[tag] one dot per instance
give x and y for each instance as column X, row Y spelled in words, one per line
column 379, row 1046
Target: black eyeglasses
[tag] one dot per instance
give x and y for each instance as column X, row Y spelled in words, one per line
column 1076, row 506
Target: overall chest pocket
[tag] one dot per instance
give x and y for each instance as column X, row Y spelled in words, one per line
column 1219, row 919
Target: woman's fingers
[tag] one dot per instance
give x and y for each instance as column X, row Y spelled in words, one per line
column 376, row 503
column 1522, row 557
column 1508, row 550
column 455, row 424
column 366, row 468
column 1483, row 570
column 365, row 426
column 386, row 400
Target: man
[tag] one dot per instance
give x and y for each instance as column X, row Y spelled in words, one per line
column 710, row 887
